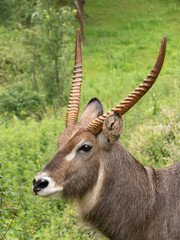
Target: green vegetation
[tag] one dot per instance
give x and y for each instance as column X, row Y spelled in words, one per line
column 17, row 100
column 38, row 55
column 36, row 62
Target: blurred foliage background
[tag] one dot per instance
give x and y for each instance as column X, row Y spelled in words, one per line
column 36, row 63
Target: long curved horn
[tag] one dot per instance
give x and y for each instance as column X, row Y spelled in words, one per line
column 96, row 126
column 74, row 100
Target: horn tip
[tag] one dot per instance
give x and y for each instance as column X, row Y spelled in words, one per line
column 164, row 37
column 78, row 57
column 164, row 40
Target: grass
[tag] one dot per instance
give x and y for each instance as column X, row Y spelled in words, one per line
column 123, row 40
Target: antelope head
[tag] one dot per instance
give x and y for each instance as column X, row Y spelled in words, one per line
column 77, row 166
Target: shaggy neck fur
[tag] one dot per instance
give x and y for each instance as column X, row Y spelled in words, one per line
column 90, row 199
column 130, row 200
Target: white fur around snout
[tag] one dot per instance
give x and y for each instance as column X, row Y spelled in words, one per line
column 51, row 189
column 72, row 155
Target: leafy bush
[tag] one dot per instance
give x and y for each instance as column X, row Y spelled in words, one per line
column 157, row 141
column 19, row 101
column 5, row 11
column 39, row 54
column 49, row 42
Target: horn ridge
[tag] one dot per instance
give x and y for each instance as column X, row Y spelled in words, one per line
column 96, row 126
column 74, row 99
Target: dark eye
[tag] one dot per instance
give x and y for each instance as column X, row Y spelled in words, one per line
column 85, row 148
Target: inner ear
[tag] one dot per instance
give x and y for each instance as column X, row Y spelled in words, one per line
column 112, row 128
column 91, row 111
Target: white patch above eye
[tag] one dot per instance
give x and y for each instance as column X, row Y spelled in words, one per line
column 72, row 155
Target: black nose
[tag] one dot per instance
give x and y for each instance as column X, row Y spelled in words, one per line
column 39, row 185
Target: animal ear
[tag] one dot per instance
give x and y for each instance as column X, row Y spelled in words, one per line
column 111, row 131
column 92, row 110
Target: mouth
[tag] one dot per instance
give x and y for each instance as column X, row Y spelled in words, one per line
column 48, row 193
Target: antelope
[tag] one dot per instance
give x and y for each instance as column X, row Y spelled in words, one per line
column 114, row 192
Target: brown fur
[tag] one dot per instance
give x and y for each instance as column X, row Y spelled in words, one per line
column 133, row 202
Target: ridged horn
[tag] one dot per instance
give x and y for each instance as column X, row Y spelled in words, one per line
column 75, row 95
column 96, row 126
